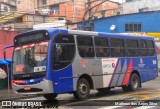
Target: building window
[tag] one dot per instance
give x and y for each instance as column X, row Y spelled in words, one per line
column 78, row 12
column 44, row 2
column 6, row 9
column 133, row 27
column 143, row 9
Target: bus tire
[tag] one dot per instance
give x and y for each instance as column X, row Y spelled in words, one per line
column 83, row 89
column 134, row 83
column 104, row 90
column 50, row 96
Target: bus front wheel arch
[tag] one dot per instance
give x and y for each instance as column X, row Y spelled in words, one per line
column 82, row 89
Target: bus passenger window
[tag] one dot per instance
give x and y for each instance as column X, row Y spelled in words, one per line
column 132, row 48
column 143, row 48
column 150, row 46
column 102, row 48
column 117, row 47
column 85, row 46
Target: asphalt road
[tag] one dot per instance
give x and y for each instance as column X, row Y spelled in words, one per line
column 115, row 99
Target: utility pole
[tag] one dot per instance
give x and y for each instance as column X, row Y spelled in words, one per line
column 90, row 16
column 89, row 10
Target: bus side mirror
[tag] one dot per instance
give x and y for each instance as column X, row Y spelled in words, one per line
column 4, row 52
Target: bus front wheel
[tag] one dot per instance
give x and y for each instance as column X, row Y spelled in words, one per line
column 83, row 89
column 134, row 83
column 50, row 96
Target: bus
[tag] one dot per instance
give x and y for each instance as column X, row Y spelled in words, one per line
column 56, row 61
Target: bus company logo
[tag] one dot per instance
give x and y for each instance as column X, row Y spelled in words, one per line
column 83, row 63
column 141, row 61
column 107, row 66
column 141, row 64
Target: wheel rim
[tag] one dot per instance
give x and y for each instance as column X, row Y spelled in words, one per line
column 135, row 82
column 83, row 89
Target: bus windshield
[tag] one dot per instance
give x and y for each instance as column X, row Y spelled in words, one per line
column 30, row 58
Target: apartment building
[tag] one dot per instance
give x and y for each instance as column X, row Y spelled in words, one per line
column 73, row 10
column 136, row 6
column 7, row 6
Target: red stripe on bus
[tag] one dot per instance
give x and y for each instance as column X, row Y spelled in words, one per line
column 126, row 79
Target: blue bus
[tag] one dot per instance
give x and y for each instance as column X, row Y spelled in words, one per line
column 55, row 61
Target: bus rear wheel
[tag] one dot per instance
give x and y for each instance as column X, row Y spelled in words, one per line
column 50, row 96
column 134, row 83
column 83, row 89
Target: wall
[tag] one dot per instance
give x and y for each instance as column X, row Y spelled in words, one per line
column 26, row 6
column 148, row 21
column 135, row 5
column 73, row 11
column 111, row 8
column 5, row 8
column 6, row 40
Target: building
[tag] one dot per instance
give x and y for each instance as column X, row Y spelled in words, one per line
column 27, row 6
column 73, row 10
column 7, row 38
column 16, row 21
column 144, row 23
column 106, row 9
column 135, row 6
column 128, row 23
column 7, row 6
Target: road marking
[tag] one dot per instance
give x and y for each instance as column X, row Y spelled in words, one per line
column 141, row 92
column 110, row 107
column 150, row 97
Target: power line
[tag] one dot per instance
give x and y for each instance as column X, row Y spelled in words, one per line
column 89, row 10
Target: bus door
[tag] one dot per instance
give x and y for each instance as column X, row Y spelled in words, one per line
column 63, row 52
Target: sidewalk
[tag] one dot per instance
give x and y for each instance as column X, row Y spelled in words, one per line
column 6, row 94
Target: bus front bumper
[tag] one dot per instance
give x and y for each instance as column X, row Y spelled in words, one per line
column 43, row 87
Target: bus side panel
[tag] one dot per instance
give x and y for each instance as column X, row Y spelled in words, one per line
column 151, row 71
column 122, row 72
column 62, row 80
column 145, row 66
column 91, row 67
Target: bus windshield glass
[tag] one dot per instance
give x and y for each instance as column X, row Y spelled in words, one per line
column 30, row 58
